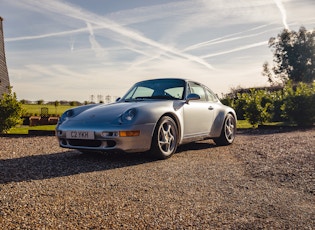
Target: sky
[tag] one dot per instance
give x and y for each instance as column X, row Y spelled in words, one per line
column 73, row 49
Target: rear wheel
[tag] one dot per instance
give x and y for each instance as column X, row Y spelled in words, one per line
column 165, row 138
column 228, row 131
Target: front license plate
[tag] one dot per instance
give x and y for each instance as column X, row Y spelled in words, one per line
column 86, row 135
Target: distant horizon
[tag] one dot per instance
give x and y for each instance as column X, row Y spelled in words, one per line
column 74, row 49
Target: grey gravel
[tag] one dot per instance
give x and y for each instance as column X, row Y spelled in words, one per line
column 265, row 180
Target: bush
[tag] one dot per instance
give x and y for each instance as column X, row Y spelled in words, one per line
column 292, row 103
column 10, row 112
column 257, row 107
column 299, row 104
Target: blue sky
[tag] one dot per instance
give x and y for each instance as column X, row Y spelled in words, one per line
column 72, row 49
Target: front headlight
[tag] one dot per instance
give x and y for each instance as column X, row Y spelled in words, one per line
column 129, row 115
column 66, row 115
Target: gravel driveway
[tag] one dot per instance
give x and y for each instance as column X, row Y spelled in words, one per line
column 266, row 180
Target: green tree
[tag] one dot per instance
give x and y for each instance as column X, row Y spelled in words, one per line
column 294, row 57
column 56, row 103
column 40, row 102
column 73, row 103
column 10, row 111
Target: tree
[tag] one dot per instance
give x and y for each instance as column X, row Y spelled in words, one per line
column 294, row 57
column 56, row 103
column 10, row 111
column 273, row 80
column 40, row 102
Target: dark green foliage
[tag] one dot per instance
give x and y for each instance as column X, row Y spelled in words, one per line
column 299, row 104
column 10, row 112
column 40, row 102
column 56, row 103
column 294, row 57
column 291, row 103
column 256, row 106
column 73, row 103
column 294, row 72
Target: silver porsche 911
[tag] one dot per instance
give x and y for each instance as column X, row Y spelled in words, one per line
column 156, row 115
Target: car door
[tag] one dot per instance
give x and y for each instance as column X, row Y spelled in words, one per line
column 198, row 114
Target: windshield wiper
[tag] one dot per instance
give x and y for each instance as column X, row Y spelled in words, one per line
column 157, row 97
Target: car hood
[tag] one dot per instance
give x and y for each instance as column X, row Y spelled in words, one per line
column 110, row 113
column 104, row 113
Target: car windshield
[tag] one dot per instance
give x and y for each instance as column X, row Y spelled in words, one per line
column 169, row 89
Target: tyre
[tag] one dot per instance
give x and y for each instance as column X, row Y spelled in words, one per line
column 165, row 138
column 228, row 131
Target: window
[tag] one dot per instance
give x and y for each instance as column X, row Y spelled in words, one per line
column 197, row 89
column 140, row 92
column 211, row 96
column 175, row 92
column 169, row 89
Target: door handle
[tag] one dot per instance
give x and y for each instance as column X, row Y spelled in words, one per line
column 210, row 108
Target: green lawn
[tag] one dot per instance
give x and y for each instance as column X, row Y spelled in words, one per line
column 36, row 109
column 243, row 124
column 32, row 110
column 23, row 129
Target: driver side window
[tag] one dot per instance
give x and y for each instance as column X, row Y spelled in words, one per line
column 197, row 89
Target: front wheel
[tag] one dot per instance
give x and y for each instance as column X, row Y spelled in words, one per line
column 228, row 131
column 165, row 138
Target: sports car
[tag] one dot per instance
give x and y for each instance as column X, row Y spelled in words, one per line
column 154, row 116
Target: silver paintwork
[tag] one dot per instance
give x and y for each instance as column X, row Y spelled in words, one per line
column 195, row 120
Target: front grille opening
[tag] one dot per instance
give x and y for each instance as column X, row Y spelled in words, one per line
column 111, row 143
column 63, row 141
column 85, row 143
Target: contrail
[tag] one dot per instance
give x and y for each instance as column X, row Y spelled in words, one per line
column 96, row 47
column 72, row 11
column 72, row 41
column 237, row 49
column 283, row 13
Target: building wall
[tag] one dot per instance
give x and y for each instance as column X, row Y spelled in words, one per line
column 4, row 76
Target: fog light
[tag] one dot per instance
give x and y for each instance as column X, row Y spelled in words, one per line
column 129, row 133
column 109, row 134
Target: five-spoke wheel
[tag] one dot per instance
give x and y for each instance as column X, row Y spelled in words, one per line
column 165, row 138
column 228, row 131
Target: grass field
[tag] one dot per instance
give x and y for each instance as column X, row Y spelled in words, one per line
column 32, row 110
column 52, row 110
column 23, row 129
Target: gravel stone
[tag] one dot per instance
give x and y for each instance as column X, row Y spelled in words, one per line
column 265, row 180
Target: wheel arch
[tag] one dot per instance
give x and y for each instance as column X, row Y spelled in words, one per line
column 177, row 122
column 218, row 122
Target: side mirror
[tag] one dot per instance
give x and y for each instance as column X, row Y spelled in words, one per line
column 192, row 97
column 117, row 99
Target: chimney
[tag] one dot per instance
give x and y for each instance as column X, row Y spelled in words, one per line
column 4, row 76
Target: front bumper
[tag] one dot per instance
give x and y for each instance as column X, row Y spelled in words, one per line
column 108, row 139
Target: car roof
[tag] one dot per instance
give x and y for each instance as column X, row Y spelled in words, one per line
column 166, row 78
